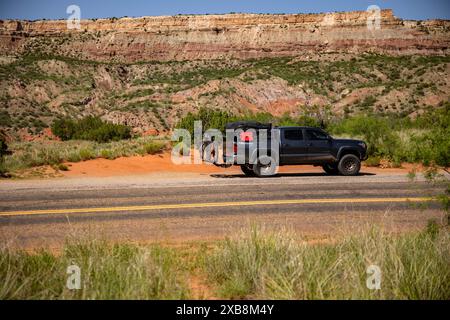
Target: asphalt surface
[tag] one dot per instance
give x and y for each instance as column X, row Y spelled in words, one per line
column 135, row 198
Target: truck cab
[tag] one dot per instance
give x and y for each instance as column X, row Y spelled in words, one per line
column 309, row 145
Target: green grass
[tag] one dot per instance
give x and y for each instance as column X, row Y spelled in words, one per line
column 107, row 272
column 33, row 154
column 154, row 147
column 275, row 265
column 256, row 263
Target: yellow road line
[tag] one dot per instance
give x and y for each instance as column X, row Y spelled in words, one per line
column 211, row 204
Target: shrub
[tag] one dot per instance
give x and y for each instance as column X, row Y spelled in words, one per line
column 63, row 167
column 153, row 147
column 211, row 119
column 3, row 152
column 90, row 128
column 106, row 132
column 64, row 128
column 5, row 118
column 74, row 157
column 106, row 154
column 3, row 146
column 375, row 130
column 86, row 154
column 373, row 161
column 434, row 144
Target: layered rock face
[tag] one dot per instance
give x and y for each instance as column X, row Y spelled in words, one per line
column 225, row 36
column 307, row 64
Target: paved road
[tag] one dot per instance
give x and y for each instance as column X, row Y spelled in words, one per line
column 33, row 202
column 133, row 202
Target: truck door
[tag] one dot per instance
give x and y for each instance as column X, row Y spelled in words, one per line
column 294, row 149
column 319, row 146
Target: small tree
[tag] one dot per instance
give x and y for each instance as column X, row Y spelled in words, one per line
column 3, row 151
column 3, row 146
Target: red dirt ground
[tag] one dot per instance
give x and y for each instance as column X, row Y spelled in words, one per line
column 162, row 163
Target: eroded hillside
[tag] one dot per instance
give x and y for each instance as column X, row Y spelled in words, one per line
column 47, row 72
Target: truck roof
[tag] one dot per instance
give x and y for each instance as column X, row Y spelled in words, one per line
column 298, row 127
column 258, row 125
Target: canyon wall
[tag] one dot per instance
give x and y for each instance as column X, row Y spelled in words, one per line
column 188, row 37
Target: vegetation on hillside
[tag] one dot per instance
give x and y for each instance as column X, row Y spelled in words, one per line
column 90, row 128
column 382, row 84
column 392, row 113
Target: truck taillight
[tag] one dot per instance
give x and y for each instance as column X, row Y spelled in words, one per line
column 246, row 136
column 235, row 148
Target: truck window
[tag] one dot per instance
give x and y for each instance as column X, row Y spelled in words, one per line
column 293, row 134
column 316, row 135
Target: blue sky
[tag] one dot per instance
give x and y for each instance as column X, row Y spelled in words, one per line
column 56, row 9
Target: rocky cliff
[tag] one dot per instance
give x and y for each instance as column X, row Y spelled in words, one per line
column 225, row 36
column 150, row 72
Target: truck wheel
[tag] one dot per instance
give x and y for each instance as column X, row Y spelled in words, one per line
column 266, row 166
column 247, row 170
column 330, row 168
column 349, row 165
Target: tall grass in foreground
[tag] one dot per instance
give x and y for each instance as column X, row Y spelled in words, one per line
column 274, row 265
column 254, row 264
column 107, row 272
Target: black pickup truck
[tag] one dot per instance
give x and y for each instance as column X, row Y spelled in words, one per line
column 293, row 146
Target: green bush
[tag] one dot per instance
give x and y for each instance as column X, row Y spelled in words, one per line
column 373, row 161
column 63, row 167
column 153, row 147
column 5, row 118
column 3, row 146
column 434, row 145
column 211, row 119
column 376, row 131
column 107, row 154
column 425, row 139
column 86, row 154
column 90, row 128
column 64, row 129
column 3, row 152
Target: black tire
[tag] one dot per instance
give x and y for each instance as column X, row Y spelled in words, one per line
column 266, row 166
column 331, row 169
column 349, row 165
column 247, row 170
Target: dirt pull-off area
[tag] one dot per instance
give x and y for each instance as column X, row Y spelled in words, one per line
column 162, row 163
